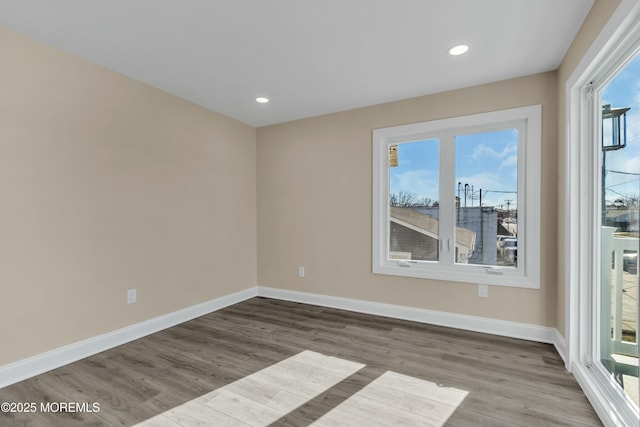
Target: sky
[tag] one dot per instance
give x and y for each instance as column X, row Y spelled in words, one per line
column 624, row 91
column 486, row 161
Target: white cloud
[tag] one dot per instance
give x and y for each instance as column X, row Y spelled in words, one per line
column 509, row 162
column 483, row 180
column 421, row 182
column 483, row 150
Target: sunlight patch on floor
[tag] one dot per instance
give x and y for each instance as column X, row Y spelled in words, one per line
column 263, row 397
column 394, row 399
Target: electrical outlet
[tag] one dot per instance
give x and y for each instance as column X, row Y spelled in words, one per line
column 132, row 296
column 301, row 271
column 483, row 291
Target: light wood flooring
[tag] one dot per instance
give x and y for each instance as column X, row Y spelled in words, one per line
column 270, row 362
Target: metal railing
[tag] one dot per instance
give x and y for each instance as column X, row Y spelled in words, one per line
column 612, row 299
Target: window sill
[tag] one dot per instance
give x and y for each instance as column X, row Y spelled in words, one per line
column 461, row 273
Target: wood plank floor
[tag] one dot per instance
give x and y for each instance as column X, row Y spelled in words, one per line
column 502, row 381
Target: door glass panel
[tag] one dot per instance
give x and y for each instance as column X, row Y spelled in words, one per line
column 487, row 198
column 414, row 229
column 620, row 191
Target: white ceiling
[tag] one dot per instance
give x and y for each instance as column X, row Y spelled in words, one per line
column 309, row 57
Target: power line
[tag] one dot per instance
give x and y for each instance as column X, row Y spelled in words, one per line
column 633, row 122
column 620, row 194
column 498, row 191
column 623, row 183
column 623, row 173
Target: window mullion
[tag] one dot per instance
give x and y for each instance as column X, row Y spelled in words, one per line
column 447, row 199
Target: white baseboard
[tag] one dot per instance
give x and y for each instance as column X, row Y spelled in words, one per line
column 561, row 347
column 461, row 321
column 26, row 368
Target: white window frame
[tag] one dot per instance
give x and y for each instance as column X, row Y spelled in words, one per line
column 527, row 273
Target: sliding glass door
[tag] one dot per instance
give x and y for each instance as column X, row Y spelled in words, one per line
column 601, row 227
column 618, row 148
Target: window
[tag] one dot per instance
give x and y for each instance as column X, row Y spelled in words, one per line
column 458, row 199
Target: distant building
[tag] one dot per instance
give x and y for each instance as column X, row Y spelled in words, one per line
column 484, row 222
column 414, row 234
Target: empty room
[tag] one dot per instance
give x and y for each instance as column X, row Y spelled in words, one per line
column 329, row 213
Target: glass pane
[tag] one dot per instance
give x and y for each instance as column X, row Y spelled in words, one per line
column 413, row 201
column 487, row 198
column 620, row 191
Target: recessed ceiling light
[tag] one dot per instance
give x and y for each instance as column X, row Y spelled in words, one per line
column 262, row 100
column 458, row 50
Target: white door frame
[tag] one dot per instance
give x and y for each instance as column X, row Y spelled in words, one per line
column 580, row 236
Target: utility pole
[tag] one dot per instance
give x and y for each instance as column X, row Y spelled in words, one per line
column 482, row 229
column 458, row 203
column 466, row 189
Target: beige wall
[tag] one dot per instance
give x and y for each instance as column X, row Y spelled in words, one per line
column 314, row 204
column 600, row 13
column 107, row 184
